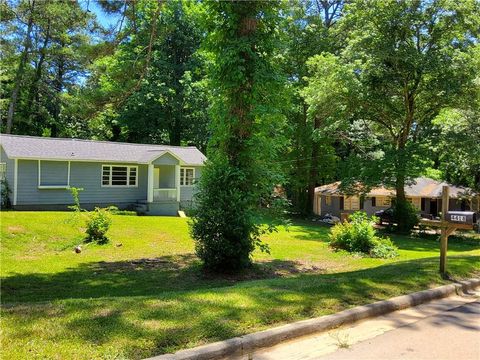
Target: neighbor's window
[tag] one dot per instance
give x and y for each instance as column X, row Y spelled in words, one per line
column 351, row 203
column 115, row 175
column 383, row 201
column 328, row 200
column 3, row 171
column 417, row 202
column 187, row 175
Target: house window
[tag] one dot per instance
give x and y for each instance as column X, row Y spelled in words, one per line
column 383, row 201
column 121, row 176
column 53, row 174
column 187, row 176
column 417, row 202
column 328, row 200
column 3, row 171
column 351, row 203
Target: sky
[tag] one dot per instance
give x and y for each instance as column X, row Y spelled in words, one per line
column 104, row 19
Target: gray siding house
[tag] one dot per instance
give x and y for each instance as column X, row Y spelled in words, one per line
column 154, row 179
column 425, row 194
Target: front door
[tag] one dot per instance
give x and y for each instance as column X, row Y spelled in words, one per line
column 433, row 207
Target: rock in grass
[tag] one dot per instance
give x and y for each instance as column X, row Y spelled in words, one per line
column 78, row 249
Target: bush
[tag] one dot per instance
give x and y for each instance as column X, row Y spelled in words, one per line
column 5, row 194
column 114, row 210
column 359, row 236
column 227, row 223
column 98, row 223
column 384, row 248
column 406, row 216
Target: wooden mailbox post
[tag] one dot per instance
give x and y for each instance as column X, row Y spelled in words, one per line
column 449, row 223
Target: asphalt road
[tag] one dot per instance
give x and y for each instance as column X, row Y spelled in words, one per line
column 453, row 334
column 446, row 329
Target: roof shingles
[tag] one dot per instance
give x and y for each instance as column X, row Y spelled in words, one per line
column 421, row 187
column 30, row 147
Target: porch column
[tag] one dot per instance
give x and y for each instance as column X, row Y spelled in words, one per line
column 150, row 184
column 177, row 181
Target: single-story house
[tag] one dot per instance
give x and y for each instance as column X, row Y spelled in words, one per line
column 425, row 194
column 155, row 179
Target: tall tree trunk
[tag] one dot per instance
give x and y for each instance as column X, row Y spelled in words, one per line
column 38, row 74
column 176, row 132
column 313, row 174
column 400, row 171
column 58, row 88
column 20, row 71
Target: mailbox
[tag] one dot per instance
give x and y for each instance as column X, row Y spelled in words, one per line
column 462, row 217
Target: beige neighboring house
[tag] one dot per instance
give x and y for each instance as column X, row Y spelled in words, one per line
column 425, row 194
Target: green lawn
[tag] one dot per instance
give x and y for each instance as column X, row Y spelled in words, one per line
column 144, row 293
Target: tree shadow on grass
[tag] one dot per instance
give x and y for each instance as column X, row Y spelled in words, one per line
column 206, row 310
column 150, row 276
column 138, row 277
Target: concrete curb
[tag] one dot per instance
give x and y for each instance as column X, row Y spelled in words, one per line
column 246, row 344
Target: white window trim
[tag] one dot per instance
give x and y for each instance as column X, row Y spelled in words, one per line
column 15, row 181
column 193, row 177
column 40, row 186
column 110, row 176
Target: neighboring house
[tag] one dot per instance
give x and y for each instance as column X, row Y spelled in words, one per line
column 155, row 179
column 425, row 194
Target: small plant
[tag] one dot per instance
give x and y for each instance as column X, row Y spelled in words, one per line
column 98, row 223
column 5, row 194
column 342, row 339
column 76, row 199
column 359, row 236
column 76, row 208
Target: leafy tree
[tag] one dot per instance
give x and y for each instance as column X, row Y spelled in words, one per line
column 165, row 101
column 239, row 175
column 27, row 11
column 412, row 59
column 55, row 41
column 329, row 107
column 459, row 146
column 307, row 31
column 167, row 97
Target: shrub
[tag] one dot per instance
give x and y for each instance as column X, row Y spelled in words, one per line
column 359, row 236
column 406, row 216
column 228, row 223
column 5, row 194
column 114, row 210
column 384, row 248
column 98, row 223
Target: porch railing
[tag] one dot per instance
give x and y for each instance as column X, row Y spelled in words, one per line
column 164, row 194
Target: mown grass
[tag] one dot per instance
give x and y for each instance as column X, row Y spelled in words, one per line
column 145, row 293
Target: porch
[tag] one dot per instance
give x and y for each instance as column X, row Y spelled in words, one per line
column 163, row 183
